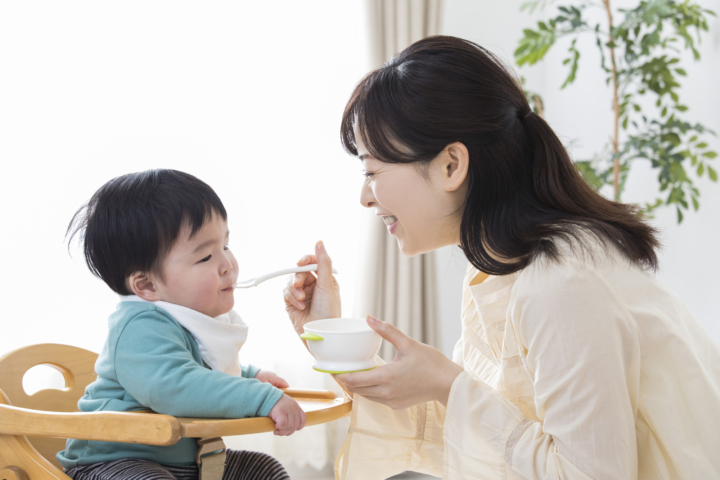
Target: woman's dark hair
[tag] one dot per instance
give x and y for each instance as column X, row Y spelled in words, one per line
column 132, row 221
column 523, row 189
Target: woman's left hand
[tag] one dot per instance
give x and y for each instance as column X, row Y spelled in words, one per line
column 418, row 374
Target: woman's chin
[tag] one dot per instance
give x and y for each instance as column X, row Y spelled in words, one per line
column 407, row 250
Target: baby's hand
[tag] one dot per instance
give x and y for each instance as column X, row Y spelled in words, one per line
column 288, row 416
column 266, row 376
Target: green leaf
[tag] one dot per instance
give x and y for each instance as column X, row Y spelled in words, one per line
column 693, row 138
column 637, row 107
column 701, row 169
column 701, row 145
column 695, row 203
column 575, row 56
column 681, row 108
column 625, row 122
column 709, row 154
column 712, row 173
column 679, row 215
column 671, row 137
column 680, row 71
column 678, row 173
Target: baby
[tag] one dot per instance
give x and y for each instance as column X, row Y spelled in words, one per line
column 160, row 240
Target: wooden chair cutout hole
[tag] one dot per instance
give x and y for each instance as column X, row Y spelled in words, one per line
column 47, row 376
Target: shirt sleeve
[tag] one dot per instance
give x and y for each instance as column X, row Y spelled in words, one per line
column 249, row 371
column 583, row 356
column 457, row 356
column 156, row 367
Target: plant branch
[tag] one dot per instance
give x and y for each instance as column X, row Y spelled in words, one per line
column 538, row 102
column 616, row 106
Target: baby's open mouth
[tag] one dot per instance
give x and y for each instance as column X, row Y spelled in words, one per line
column 389, row 220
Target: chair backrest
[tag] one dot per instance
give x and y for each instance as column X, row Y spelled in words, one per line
column 77, row 367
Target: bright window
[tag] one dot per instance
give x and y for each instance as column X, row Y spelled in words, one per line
column 245, row 95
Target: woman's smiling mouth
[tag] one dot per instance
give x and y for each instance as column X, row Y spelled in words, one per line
column 391, row 222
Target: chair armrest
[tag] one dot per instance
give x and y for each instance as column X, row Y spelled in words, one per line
column 126, row 427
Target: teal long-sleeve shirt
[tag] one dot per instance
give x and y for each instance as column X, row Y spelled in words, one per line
column 150, row 361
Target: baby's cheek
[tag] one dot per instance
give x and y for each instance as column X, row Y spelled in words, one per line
column 203, row 296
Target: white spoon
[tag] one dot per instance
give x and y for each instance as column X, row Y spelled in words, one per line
column 254, row 282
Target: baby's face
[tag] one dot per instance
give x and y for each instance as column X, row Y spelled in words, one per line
column 199, row 272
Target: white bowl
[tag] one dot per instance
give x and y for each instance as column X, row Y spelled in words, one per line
column 342, row 345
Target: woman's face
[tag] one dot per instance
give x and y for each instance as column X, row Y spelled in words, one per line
column 421, row 211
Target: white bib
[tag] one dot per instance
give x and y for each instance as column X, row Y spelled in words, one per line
column 219, row 339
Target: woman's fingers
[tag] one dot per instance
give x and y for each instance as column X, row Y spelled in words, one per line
column 356, row 380
column 291, row 302
column 324, row 272
column 307, row 260
column 303, row 279
column 390, row 333
column 374, row 391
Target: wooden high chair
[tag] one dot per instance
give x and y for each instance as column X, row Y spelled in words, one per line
column 33, row 428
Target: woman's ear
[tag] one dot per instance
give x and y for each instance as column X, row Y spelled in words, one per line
column 456, row 166
column 142, row 285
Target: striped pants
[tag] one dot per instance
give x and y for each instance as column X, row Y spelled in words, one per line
column 239, row 465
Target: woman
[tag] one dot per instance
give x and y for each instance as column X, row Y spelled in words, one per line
column 574, row 361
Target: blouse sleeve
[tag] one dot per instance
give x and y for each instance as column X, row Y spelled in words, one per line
column 457, row 356
column 583, row 355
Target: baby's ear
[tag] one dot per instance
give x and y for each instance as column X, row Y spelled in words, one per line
column 142, row 285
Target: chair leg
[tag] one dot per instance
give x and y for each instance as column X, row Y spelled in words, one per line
column 20, row 461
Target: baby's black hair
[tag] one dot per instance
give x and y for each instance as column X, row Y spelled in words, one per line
column 133, row 220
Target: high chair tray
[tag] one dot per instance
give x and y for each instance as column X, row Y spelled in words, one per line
column 320, row 406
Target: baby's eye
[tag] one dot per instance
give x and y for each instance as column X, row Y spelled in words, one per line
column 226, row 247
column 205, row 259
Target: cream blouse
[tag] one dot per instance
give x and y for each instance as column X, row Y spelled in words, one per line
column 583, row 368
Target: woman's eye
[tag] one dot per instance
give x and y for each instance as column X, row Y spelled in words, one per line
column 206, row 259
column 368, row 174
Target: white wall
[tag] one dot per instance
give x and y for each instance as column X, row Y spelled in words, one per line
column 245, row 95
column 690, row 261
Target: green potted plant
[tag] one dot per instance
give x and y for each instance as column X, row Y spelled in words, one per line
column 639, row 51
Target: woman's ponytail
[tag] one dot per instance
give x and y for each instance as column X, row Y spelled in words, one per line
column 559, row 185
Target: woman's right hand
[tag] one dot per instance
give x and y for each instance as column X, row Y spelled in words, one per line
column 308, row 297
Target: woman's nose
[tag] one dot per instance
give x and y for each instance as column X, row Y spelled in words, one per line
column 367, row 199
